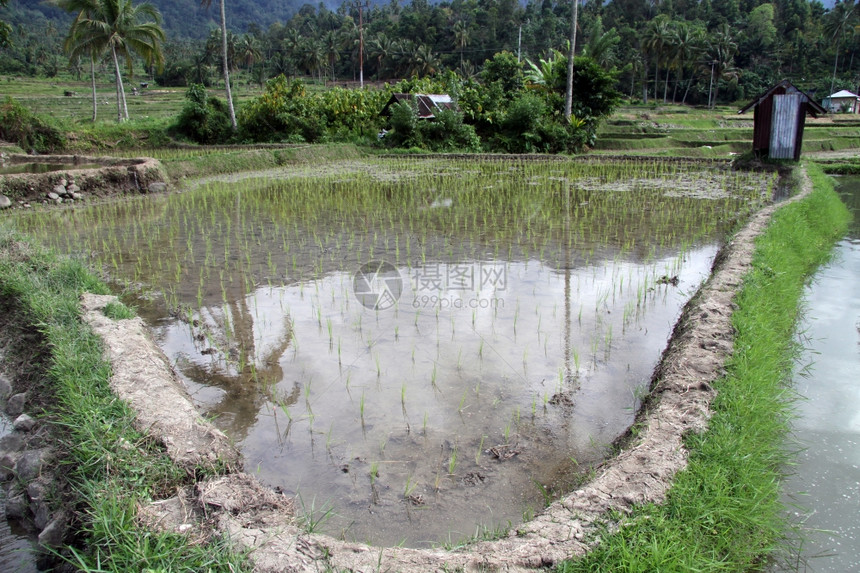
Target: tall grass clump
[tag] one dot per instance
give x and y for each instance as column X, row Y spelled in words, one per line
column 108, row 466
column 724, row 512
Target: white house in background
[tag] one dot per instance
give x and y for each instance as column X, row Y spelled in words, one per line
column 842, row 102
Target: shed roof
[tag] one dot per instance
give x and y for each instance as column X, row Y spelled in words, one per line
column 843, row 94
column 813, row 107
column 428, row 104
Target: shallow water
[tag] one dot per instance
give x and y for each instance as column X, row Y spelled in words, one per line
column 419, row 350
column 16, row 544
column 37, row 167
column 826, row 485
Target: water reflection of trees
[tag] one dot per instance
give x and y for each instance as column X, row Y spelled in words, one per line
column 249, row 381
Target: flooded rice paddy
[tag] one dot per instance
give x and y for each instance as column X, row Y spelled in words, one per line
column 419, row 350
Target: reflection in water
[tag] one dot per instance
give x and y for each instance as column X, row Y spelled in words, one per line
column 826, row 484
column 535, row 301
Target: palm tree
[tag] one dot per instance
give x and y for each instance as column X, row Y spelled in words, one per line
column 382, row 48
column 426, row 61
column 720, row 57
column 687, row 45
column 76, row 55
column 312, row 56
column 225, row 61
column 839, row 20
column 461, row 38
column 331, row 46
column 656, row 38
column 248, row 49
column 118, row 27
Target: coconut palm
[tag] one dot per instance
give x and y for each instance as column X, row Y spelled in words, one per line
column 312, row 56
column 382, row 48
column 120, row 28
column 426, row 62
column 840, row 19
column 331, row 47
column 225, row 60
column 657, row 38
column 248, row 49
column 719, row 56
column 687, row 47
column 461, row 37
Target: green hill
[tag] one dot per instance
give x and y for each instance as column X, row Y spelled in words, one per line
column 182, row 18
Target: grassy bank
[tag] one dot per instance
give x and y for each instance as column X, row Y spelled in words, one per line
column 724, row 511
column 107, row 466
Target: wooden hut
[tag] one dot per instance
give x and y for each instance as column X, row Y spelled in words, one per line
column 780, row 114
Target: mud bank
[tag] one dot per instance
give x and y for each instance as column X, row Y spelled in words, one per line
column 110, row 176
column 263, row 522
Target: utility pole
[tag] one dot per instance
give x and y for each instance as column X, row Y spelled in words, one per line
column 361, row 4
column 711, row 87
column 519, row 43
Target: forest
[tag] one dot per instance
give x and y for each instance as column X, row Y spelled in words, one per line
column 696, row 52
column 662, row 49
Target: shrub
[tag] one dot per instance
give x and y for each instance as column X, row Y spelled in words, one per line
column 448, row 133
column 30, row 133
column 404, row 125
column 283, row 113
column 204, row 120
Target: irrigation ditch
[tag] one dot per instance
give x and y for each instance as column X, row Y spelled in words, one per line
column 266, row 524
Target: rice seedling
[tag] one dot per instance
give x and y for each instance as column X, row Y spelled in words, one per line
column 452, row 461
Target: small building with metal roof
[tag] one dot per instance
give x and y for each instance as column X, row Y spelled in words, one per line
column 842, row 102
column 428, row 104
column 779, row 118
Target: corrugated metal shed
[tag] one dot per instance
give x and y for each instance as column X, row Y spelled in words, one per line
column 428, row 104
column 779, row 118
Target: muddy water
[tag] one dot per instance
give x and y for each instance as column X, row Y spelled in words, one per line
column 16, row 544
column 424, row 351
column 14, row 168
column 826, row 485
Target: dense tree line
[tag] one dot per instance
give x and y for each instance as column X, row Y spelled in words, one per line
column 670, row 50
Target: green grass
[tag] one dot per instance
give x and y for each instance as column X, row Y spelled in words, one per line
column 724, row 512
column 118, row 311
column 108, row 465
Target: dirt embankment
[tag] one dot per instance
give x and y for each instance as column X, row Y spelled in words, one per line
column 100, row 178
